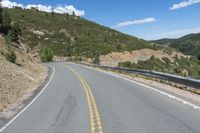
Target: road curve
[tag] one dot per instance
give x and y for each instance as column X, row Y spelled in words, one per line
column 82, row 100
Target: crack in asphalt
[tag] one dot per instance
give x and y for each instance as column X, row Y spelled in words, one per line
column 63, row 116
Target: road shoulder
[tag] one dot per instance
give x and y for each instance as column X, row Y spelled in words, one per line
column 179, row 94
column 15, row 108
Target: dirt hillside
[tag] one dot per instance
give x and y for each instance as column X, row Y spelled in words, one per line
column 19, row 78
column 112, row 59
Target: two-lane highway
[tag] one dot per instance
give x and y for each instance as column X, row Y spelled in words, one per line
column 82, row 100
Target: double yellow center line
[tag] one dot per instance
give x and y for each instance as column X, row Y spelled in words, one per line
column 95, row 121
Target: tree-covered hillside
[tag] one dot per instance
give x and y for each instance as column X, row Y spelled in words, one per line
column 189, row 44
column 69, row 35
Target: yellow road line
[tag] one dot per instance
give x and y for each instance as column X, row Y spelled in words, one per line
column 94, row 113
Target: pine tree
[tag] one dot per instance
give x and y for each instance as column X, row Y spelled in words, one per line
column 96, row 58
column 6, row 22
column 46, row 54
column 1, row 18
column 6, row 19
column 73, row 14
column 119, row 46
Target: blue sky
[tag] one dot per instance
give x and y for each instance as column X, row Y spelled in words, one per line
column 147, row 19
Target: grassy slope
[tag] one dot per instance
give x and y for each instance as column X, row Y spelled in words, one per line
column 189, row 44
column 72, row 36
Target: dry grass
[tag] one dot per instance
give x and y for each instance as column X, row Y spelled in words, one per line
column 17, row 79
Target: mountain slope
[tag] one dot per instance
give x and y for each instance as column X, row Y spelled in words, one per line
column 20, row 79
column 164, row 41
column 189, row 44
column 70, row 35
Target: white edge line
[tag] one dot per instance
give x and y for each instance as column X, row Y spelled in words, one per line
column 154, row 89
column 44, row 88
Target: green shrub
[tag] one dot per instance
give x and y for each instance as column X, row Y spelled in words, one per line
column 13, row 33
column 5, row 22
column 1, row 52
column 198, row 57
column 168, row 51
column 11, row 56
column 46, row 54
column 127, row 64
column 96, row 59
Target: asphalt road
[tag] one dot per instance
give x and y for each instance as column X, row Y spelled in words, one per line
column 82, row 100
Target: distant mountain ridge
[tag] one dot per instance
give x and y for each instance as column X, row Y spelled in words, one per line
column 189, row 44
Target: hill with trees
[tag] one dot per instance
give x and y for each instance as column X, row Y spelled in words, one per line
column 19, row 72
column 64, row 35
column 70, row 35
column 189, row 44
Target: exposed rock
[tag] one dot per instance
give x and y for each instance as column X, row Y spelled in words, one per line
column 112, row 59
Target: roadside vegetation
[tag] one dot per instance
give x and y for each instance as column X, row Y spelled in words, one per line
column 19, row 73
column 46, row 55
column 181, row 66
column 11, row 56
column 11, row 31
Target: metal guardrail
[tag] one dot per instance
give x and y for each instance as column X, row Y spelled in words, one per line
column 164, row 76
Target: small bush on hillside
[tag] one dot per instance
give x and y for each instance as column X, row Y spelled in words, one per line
column 96, row 59
column 46, row 54
column 168, row 51
column 78, row 58
column 127, row 64
column 1, row 52
column 13, row 34
column 198, row 57
column 11, row 56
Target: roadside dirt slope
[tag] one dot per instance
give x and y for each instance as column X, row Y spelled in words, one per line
column 17, row 79
column 112, row 59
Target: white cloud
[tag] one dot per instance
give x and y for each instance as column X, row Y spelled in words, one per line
column 69, row 9
column 134, row 22
column 59, row 9
column 10, row 4
column 184, row 4
column 40, row 7
column 176, row 33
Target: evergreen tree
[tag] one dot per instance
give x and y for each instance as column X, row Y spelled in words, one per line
column 46, row 54
column 198, row 57
column 11, row 56
column 13, row 33
column 6, row 22
column 96, row 58
column 73, row 13
column 119, row 46
column 1, row 18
